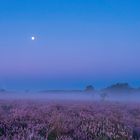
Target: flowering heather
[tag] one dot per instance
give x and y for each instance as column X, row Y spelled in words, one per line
column 31, row 120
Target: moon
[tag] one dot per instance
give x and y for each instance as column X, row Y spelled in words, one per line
column 32, row 38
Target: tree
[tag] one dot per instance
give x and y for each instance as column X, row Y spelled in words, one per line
column 103, row 96
column 89, row 88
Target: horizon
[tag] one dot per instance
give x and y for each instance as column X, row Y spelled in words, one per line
column 72, row 89
column 69, row 44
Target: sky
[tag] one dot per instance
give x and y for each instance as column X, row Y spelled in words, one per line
column 77, row 43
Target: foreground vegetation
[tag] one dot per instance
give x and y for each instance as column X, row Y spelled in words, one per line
column 30, row 120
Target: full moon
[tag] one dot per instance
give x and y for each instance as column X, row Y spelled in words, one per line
column 33, row 38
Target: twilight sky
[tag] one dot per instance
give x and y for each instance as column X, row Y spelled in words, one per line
column 78, row 42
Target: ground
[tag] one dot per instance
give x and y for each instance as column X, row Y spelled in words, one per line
column 43, row 120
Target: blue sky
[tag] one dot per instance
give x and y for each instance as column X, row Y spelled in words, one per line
column 78, row 42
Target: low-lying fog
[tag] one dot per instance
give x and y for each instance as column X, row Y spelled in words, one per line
column 79, row 96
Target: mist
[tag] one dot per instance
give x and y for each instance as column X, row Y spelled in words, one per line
column 72, row 96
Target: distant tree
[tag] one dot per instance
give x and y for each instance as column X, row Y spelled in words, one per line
column 120, row 86
column 89, row 88
column 2, row 90
column 27, row 90
column 103, row 96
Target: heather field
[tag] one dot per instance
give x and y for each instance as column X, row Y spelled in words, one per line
column 43, row 120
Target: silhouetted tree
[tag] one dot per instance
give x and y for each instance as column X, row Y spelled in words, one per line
column 89, row 88
column 103, row 96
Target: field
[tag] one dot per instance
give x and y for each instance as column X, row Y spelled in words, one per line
column 40, row 120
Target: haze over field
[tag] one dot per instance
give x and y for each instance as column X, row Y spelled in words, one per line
column 117, row 92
